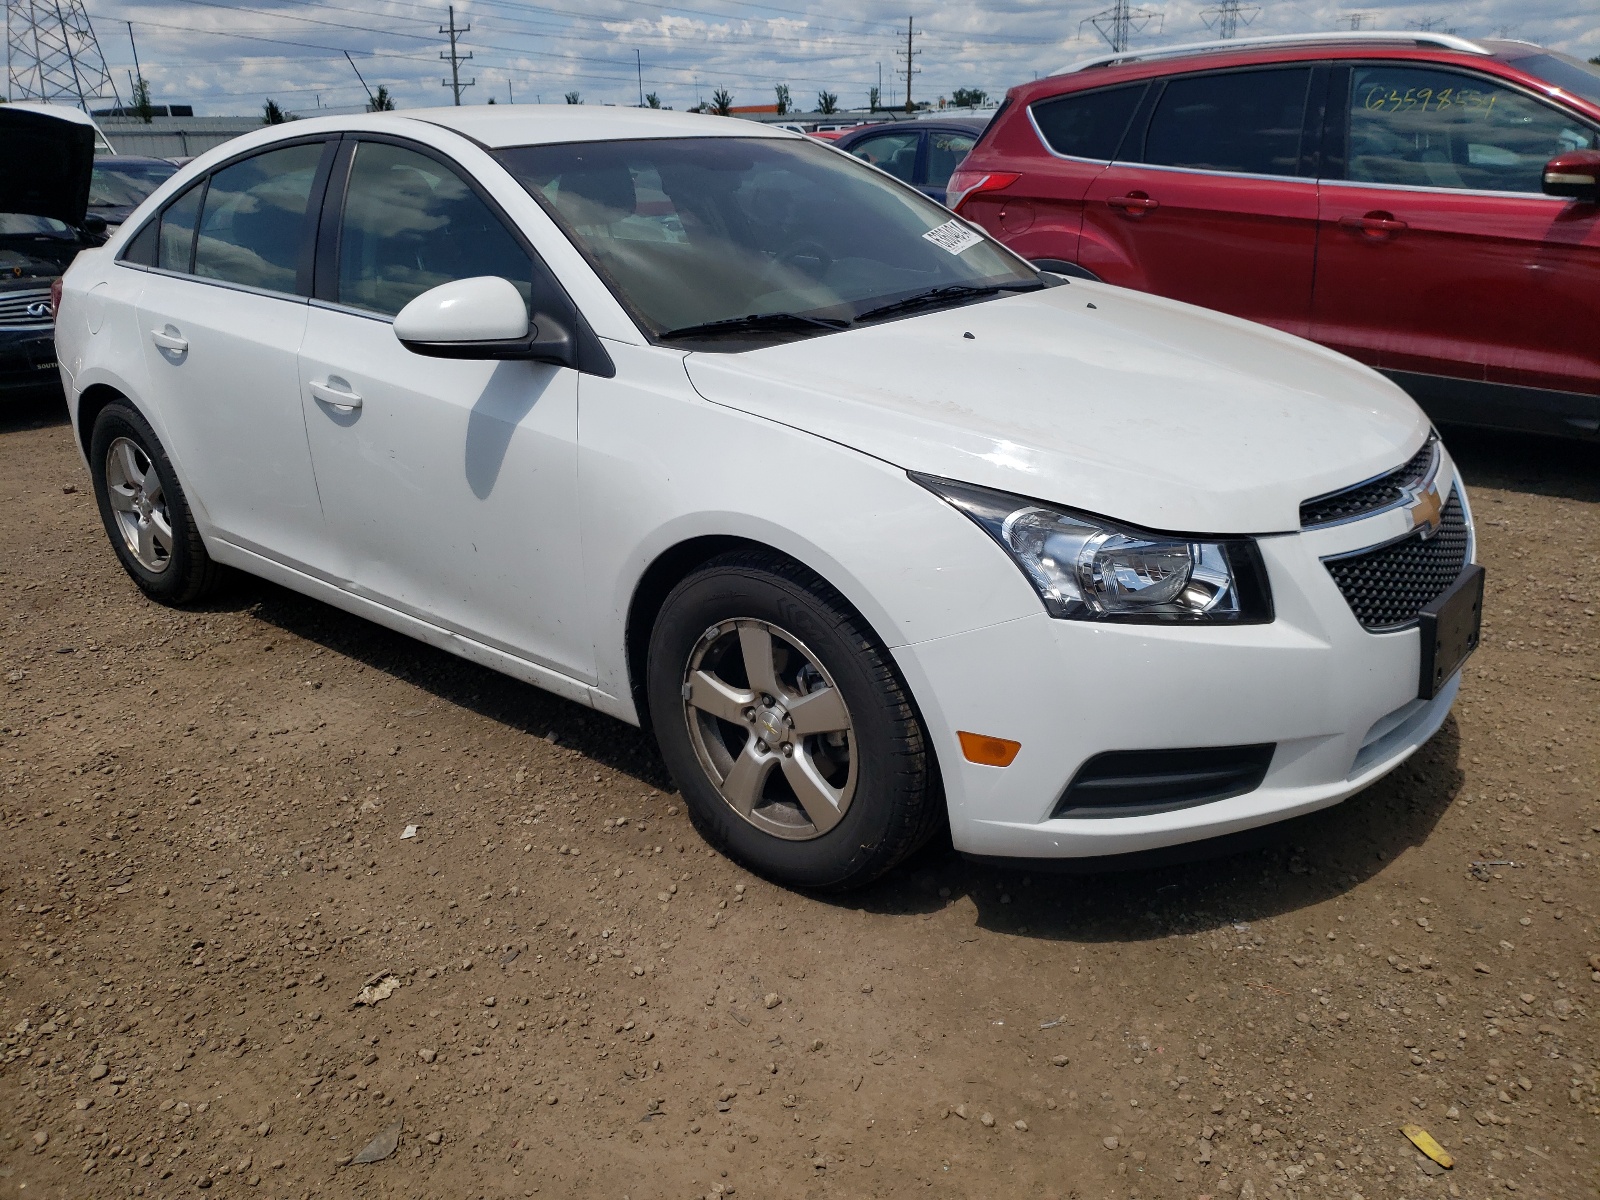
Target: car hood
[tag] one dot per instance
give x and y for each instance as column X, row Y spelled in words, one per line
column 1106, row 400
column 56, row 144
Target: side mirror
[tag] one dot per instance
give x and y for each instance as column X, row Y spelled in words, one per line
column 484, row 317
column 93, row 223
column 1575, row 174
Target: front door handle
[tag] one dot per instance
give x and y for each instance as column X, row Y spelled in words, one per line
column 1380, row 224
column 338, row 393
column 169, row 338
column 1134, row 204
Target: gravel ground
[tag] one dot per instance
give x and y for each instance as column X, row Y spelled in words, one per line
column 204, row 864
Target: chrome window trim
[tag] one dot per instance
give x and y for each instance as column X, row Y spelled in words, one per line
column 352, row 311
column 1446, row 191
column 221, row 283
column 1123, row 162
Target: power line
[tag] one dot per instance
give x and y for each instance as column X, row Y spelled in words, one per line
column 455, row 58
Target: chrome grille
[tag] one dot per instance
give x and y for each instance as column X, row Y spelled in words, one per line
column 1373, row 496
column 14, row 307
column 1386, row 587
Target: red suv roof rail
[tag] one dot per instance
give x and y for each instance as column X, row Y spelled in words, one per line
column 1444, row 41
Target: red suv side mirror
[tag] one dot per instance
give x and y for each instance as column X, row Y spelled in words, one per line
column 1575, row 174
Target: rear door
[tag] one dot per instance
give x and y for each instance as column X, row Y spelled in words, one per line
column 894, row 150
column 1214, row 201
column 221, row 314
column 1439, row 253
column 1040, row 214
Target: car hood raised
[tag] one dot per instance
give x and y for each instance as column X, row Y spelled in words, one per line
column 50, row 149
column 1098, row 398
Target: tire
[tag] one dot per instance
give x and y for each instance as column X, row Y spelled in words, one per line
column 832, row 721
column 145, row 511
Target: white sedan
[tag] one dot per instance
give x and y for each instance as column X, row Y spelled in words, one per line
column 711, row 427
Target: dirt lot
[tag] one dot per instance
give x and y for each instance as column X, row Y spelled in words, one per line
column 203, row 864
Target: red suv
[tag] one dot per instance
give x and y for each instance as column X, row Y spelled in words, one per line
column 1425, row 204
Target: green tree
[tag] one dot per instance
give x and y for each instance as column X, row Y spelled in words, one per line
column 722, row 102
column 652, row 100
column 381, row 100
column 271, row 114
column 827, row 103
column 785, row 106
column 574, row 98
column 142, row 108
column 968, row 97
column 874, row 97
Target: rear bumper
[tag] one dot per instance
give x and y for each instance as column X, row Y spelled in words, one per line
column 1339, row 704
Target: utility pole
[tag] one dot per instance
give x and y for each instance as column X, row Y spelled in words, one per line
column 510, row 99
column 454, row 58
column 138, row 74
column 638, row 66
column 910, row 55
column 357, row 70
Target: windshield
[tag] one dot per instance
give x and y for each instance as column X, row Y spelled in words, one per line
column 117, row 184
column 733, row 232
column 27, row 225
column 1563, row 71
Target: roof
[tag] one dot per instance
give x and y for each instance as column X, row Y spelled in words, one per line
column 534, row 124
column 1441, row 41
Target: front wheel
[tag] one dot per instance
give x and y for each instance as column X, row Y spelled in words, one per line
column 788, row 731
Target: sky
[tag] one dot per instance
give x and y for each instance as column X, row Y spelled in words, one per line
column 227, row 56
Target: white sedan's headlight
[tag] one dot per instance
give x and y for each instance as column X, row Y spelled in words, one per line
column 1088, row 568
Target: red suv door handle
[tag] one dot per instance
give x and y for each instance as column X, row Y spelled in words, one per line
column 1374, row 223
column 1134, row 204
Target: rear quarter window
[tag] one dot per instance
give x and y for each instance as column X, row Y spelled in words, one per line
column 1087, row 124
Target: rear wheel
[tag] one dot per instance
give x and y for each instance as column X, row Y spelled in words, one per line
column 144, row 510
column 782, row 719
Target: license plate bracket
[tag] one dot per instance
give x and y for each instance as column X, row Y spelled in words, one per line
column 1450, row 629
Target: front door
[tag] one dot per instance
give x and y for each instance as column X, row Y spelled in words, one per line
column 221, row 319
column 450, row 486
column 1438, row 253
column 1213, row 204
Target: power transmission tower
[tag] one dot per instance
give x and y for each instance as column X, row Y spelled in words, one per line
column 454, row 58
column 1357, row 20
column 1119, row 23
column 910, row 55
column 52, row 55
column 1228, row 15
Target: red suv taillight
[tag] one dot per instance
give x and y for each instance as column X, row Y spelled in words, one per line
column 965, row 184
column 55, row 297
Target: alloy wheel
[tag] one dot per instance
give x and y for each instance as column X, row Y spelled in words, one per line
column 770, row 728
column 134, row 490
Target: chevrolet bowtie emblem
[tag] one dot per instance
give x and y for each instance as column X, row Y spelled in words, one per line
column 1427, row 512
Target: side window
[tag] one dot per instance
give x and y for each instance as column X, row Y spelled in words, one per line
column 1243, row 121
column 1424, row 127
column 895, row 153
column 177, row 231
column 254, row 226
column 411, row 224
column 1087, row 124
column 945, row 152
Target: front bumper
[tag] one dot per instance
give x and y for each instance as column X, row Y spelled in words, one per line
column 1340, row 704
column 28, row 360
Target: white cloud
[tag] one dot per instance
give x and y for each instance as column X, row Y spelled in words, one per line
column 225, row 56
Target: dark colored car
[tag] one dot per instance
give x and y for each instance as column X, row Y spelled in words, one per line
column 122, row 181
column 44, row 223
column 921, row 153
column 1425, row 204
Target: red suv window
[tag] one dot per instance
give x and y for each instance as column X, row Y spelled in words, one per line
column 1088, row 124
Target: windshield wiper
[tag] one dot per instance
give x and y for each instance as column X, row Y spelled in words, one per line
column 940, row 295
column 778, row 322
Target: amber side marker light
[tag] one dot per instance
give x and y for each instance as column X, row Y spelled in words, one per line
column 988, row 751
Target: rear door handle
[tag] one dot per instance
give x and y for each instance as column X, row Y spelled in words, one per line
column 1373, row 222
column 1134, row 203
column 169, row 339
column 336, row 392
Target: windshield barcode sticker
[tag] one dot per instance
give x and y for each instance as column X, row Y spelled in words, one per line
column 952, row 236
